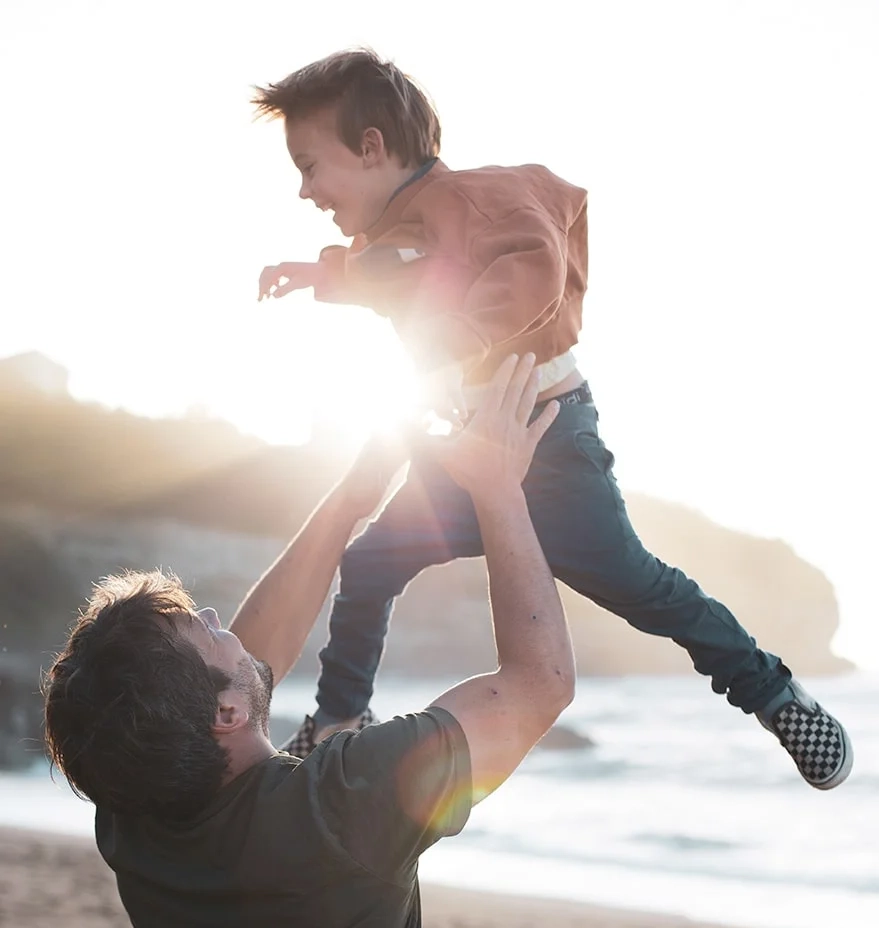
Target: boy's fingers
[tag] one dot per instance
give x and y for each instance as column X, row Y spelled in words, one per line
column 284, row 289
column 539, row 426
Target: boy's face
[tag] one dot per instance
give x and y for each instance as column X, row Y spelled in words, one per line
column 356, row 187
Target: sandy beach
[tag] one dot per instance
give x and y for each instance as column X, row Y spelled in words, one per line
column 49, row 880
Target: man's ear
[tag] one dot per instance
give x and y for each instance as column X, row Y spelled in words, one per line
column 372, row 147
column 232, row 714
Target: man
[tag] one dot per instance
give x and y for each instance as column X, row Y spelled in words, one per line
column 159, row 716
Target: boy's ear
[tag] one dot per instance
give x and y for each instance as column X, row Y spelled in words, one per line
column 372, row 146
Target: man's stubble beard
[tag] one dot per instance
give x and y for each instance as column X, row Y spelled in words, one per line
column 261, row 698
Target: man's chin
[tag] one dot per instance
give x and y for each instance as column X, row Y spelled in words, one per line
column 261, row 703
column 263, row 668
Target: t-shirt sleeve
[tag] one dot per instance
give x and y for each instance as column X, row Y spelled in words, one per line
column 389, row 792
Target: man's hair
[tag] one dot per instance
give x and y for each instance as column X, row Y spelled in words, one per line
column 366, row 92
column 130, row 702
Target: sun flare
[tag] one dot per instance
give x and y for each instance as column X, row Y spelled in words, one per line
column 337, row 371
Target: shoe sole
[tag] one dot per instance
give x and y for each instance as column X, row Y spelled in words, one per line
column 842, row 774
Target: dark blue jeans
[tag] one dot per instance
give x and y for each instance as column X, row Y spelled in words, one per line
column 581, row 521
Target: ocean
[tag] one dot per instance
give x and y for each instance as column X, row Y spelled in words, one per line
column 684, row 805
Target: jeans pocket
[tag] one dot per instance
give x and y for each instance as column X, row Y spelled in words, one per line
column 597, row 461
column 594, row 453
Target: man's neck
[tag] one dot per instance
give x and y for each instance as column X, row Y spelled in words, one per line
column 247, row 753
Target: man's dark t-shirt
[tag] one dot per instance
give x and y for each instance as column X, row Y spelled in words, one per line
column 331, row 841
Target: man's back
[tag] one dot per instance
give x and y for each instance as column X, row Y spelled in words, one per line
column 330, row 841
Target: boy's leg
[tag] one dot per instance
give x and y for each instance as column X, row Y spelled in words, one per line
column 592, row 547
column 430, row 520
column 590, row 544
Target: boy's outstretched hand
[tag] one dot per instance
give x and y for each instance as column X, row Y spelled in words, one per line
column 280, row 279
column 494, row 450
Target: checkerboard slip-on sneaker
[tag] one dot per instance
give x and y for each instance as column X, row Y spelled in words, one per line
column 303, row 743
column 818, row 744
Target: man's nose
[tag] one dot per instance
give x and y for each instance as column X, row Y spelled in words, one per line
column 210, row 616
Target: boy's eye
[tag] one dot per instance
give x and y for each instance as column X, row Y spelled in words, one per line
column 308, row 169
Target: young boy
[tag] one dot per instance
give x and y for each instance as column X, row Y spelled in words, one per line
column 471, row 266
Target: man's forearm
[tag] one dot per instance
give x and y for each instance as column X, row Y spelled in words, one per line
column 531, row 631
column 279, row 612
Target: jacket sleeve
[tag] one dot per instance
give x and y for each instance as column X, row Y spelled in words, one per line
column 335, row 284
column 377, row 278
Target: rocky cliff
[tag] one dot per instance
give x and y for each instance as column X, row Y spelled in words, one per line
column 85, row 491
column 441, row 624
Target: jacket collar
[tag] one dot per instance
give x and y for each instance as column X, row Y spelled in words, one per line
column 403, row 195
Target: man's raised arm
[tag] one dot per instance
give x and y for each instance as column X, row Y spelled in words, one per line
column 504, row 713
column 278, row 613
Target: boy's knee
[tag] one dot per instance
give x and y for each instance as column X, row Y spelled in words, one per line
column 629, row 574
column 365, row 574
column 356, row 566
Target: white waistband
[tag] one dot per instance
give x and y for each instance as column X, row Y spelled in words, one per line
column 549, row 374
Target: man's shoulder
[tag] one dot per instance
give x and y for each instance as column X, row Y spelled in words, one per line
column 403, row 731
column 432, row 739
column 268, row 779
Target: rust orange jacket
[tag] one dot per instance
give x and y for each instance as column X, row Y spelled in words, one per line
column 470, row 266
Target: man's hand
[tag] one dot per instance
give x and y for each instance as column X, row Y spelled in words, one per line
column 443, row 394
column 280, row 279
column 495, row 450
column 366, row 483
column 504, row 713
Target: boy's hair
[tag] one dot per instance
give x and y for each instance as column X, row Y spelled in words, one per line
column 129, row 703
column 367, row 93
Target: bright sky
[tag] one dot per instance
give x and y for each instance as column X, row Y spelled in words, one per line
column 730, row 151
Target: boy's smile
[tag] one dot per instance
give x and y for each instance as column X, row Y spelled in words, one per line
column 355, row 186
